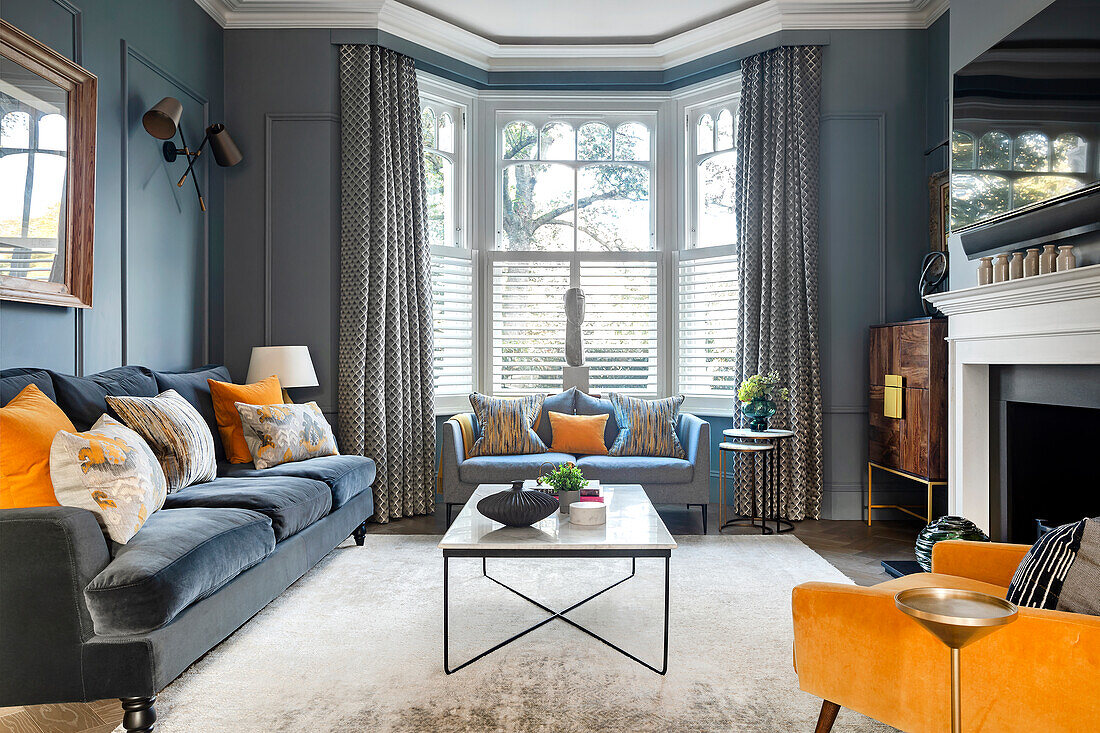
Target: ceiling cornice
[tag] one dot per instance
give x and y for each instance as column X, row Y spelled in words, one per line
column 431, row 32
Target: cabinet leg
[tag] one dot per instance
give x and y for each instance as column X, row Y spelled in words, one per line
column 868, row 494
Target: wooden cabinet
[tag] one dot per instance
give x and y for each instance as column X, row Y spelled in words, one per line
column 916, row 442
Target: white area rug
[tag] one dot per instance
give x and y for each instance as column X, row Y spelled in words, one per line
column 356, row 645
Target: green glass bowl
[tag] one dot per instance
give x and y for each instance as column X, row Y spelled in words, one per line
column 945, row 528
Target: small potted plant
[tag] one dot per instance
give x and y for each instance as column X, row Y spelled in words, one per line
column 567, row 481
column 758, row 395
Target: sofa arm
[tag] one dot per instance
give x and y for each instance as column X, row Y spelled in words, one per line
column 451, row 455
column 694, row 434
column 855, row 648
column 989, row 562
column 47, row 556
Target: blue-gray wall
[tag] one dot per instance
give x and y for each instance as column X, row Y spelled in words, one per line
column 156, row 255
column 880, row 111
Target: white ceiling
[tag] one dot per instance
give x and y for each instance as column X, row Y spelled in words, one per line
column 569, row 35
column 606, row 21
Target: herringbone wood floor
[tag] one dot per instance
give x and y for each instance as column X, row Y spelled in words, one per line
column 851, row 546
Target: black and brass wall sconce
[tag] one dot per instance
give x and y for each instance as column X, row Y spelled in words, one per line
column 162, row 121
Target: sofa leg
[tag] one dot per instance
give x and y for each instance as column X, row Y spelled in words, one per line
column 139, row 715
column 826, row 717
column 704, row 508
column 360, row 534
column 449, row 507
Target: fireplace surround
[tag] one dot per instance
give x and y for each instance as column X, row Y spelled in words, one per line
column 1051, row 320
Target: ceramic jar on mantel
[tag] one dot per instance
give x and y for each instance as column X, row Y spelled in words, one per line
column 1048, row 259
column 1031, row 262
column 1016, row 266
column 985, row 271
column 1000, row 268
column 1066, row 259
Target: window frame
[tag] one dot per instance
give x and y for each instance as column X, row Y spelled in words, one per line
column 446, row 97
column 577, row 110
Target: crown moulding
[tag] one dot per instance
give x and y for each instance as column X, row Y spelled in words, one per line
column 439, row 35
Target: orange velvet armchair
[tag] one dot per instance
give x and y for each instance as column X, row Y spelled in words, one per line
column 853, row 648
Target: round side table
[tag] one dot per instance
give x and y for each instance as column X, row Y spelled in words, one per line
column 736, row 450
column 773, row 437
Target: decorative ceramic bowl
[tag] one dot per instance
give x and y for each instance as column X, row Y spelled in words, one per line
column 518, row 507
column 945, row 528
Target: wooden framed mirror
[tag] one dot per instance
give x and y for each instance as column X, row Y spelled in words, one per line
column 47, row 174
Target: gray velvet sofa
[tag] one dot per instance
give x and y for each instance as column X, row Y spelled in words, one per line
column 665, row 480
column 82, row 618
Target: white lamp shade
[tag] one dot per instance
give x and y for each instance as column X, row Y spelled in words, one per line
column 291, row 364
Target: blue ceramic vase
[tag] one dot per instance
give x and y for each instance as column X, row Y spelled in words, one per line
column 759, row 411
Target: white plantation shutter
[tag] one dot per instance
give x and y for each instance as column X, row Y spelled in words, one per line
column 453, row 317
column 620, row 325
column 707, row 333
column 528, row 325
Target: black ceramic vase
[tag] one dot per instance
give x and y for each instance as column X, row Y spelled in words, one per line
column 518, row 507
column 945, row 528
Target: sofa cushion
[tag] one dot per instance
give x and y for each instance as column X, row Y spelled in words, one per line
column 586, row 404
column 12, row 382
column 193, row 387
column 505, row 469
column 563, row 402
column 292, row 504
column 636, row 469
column 346, row 476
column 84, row 399
column 180, row 556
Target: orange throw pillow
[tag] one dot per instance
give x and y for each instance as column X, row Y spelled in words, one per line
column 578, row 434
column 226, row 394
column 28, row 425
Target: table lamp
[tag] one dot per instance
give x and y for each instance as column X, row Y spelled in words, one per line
column 291, row 364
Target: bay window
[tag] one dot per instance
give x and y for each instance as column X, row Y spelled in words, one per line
column 583, row 193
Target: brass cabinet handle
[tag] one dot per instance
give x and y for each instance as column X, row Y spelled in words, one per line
column 893, row 403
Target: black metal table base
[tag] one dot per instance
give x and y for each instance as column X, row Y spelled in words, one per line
column 559, row 615
column 769, row 512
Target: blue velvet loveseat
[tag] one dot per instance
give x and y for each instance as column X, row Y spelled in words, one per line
column 665, row 480
column 82, row 618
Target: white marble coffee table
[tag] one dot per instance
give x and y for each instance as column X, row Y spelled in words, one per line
column 633, row 530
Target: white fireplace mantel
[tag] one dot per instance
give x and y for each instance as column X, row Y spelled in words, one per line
column 1045, row 319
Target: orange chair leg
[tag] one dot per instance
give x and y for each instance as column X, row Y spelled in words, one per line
column 826, row 717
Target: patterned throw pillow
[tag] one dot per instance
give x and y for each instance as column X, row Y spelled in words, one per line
column 177, row 433
column 507, row 425
column 285, row 433
column 111, row 472
column 647, row 427
column 1039, row 577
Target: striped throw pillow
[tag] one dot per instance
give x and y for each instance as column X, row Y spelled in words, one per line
column 177, row 433
column 1039, row 577
column 647, row 427
column 507, row 425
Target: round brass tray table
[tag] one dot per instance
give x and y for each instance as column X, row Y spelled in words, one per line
column 957, row 618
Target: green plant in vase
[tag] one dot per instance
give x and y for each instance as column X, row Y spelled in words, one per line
column 567, row 481
column 758, row 395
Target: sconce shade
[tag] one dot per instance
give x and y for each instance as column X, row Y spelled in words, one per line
column 291, row 364
column 222, row 146
column 162, row 120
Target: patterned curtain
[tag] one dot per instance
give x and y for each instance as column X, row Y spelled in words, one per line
column 385, row 388
column 776, row 211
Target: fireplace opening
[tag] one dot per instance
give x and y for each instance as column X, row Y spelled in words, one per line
column 1052, row 467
